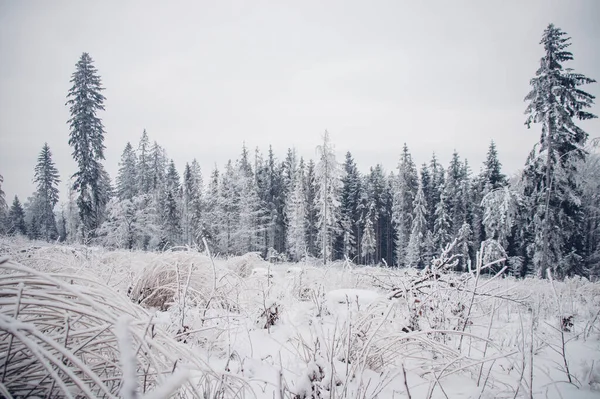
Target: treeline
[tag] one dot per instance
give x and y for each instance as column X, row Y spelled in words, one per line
column 544, row 218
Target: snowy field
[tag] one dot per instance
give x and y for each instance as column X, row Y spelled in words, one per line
column 82, row 321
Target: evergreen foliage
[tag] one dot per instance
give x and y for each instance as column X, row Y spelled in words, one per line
column 46, row 178
column 549, row 179
column 85, row 99
column 16, row 218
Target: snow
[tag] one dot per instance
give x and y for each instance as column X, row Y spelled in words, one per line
column 307, row 331
column 355, row 296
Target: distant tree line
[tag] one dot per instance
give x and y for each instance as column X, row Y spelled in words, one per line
column 544, row 218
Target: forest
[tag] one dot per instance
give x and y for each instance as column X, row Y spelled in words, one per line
column 544, row 217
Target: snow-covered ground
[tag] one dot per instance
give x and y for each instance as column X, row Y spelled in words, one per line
column 247, row 328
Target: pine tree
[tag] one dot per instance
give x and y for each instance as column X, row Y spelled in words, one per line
column 555, row 100
column 414, row 254
column 405, row 191
column 127, row 179
column 328, row 176
column 16, row 218
column 87, row 139
column 46, row 178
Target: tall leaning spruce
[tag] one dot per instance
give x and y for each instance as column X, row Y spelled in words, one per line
column 85, row 99
column 550, row 182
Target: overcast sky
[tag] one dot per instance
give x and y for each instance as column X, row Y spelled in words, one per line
column 203, row 77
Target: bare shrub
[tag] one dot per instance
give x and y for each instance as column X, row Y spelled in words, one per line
column 243, row 265
column 159, row 283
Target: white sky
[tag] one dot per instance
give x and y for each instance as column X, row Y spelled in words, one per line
column 203, row 77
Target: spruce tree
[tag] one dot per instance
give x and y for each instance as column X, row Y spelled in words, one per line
column 405, row 191
column 212, row 211
column 350, row 237
column 368, row 241
column 492, row 172
column 171, row 211
column 16, row 218
column 296, row 213
column 46, row 178
column 310, row 182
column 127, row 179
column 328, row 177
column 437, row 173
column 144, row 163
column 416, row 243
column 229, row 209
column 441, row 228
column 192, row 204
column 555, row 100
column 87, row 139
column 247, row 233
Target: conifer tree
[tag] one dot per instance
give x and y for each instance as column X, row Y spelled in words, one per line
column 192, row 204
column 229, row 209
column 212, row 229
column 438, row 178
column 16, row 218
column 555, row 100
column 171, row 212
column 296, row 233
column 87, row 139
column 61, row 225
column 414, row 254
column 127, row 178
column 46, row 178
column 310, row 183
column 441, row 228
column 368, row 242
column 247, row 233
column 158, row 167
column 492, row 172
column 144, row 165
column 349, row 241
column 405, row 192
column 464, row 246
column 328, row 174
column 453, row 185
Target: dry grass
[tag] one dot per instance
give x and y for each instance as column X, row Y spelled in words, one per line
column 59, row 338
